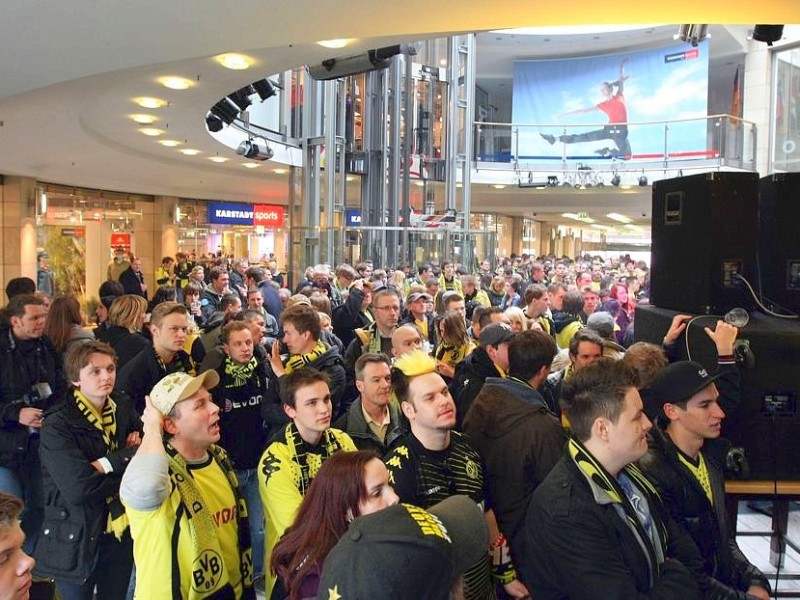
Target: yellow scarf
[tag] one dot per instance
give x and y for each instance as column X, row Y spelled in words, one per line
column 700, row 472
column 106, row 423
column 298, row 361
column 452, row 355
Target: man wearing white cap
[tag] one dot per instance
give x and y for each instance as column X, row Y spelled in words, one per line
column 187, row 517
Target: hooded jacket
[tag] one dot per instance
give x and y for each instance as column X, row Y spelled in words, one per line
column 471, row 374
column 520, row 441
column 566, row 326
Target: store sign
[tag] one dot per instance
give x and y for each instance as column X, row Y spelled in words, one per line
column 353, row 218
column 268, row 215
column 260, row 215
column 224, row 213
column 120, row 240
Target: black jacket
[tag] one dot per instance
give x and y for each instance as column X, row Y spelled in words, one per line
column 132, row 282
column 138, row 377
column 125, row 344
column 729, row 573
column 519, row 440
column 471, row 374
column 349, row 316
column 75, row 513
column 22, row 365
column 579, row 546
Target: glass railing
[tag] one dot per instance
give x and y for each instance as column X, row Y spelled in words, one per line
column 714, row 141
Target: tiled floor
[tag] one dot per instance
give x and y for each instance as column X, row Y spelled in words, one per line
column 756, row 548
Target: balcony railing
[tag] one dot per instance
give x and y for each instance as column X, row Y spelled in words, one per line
column 715, row 141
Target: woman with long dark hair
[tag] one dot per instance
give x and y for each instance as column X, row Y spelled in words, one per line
column 624, row 315
column 348, row 485
column 64, row 325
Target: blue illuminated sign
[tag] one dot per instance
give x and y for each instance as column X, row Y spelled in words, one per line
column 353, row 218
column 226, row 213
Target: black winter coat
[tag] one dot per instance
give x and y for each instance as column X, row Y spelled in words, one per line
column 579, row 548
column 471, row 373
column 729, row 573
column 75, row 512
column 140, row 375
column 125, row 344
column 23, row 364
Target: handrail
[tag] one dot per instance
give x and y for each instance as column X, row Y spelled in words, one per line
column 605, row 123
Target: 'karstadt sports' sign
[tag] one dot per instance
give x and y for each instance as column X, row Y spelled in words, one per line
column 259, row 215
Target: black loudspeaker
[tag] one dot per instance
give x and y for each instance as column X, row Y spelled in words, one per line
column 704, row 233
column 765, row 423
column 778, row 239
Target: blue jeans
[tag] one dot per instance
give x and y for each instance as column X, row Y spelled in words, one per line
column 25, row 482
column 248, row 485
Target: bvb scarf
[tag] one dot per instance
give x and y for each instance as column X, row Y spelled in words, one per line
column 452, row 355
column 240, row 374
column 298, row 361
column 106, row 423
column 598, row 476
column 328, row 446
column 201, row 524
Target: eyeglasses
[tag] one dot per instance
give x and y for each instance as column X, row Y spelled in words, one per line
column 392, row 308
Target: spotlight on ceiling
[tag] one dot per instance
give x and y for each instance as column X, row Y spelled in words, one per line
column 642, row 180
column 552, row 181
column 224, row 111
column 241, row 98
column 768, row 33
column 693, row 34
column 264, row 89
column 255, row 150
column 214, row 123
column 616, row 180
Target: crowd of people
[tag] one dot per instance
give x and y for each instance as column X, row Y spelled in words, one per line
column 370, row 433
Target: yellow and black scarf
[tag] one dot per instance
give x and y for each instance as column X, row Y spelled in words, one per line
column 327, row 445
column 106, row 422
column 700, row 472
column 201, row 523
column 240, row 374
column 452, row 355
column 598, row 476
column 298, row 361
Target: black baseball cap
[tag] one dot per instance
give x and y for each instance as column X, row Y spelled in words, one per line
column 406, row 552
column 495, row 334
column 676, row 383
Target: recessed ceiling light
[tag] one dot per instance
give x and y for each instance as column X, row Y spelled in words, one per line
column 280, row 171
column 144, row 119
column 176, row 83
column 499, row 186
column 250, row 165
column 218, row 159
column 237, row 62
column 169, row 143
column 619, row 217
column 350, row 178
column 151, row 131
column 338, row 43
column 147, row 102
column 189, row 151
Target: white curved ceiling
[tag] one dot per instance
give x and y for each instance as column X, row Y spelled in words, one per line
column 69, row 71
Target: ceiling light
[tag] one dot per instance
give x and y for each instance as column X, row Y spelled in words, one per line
column 280, row 171
column 255, row 150
column 169, row 143
column 189, row 151
column 237, row 62
column 176, row 83
column 151, row 131
column 768, row 33
column 337, row 43
column 264, row 89
column 693, row 34
column 350, row 178
column 217, row 159
column 498, row 186
column 250, row 165
column 225, row 111
column 144, row 119
column 643, row 180
column 616, row 179
column 148, row 102
column 619, row 217
column 214, row 123
column 241, row 98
